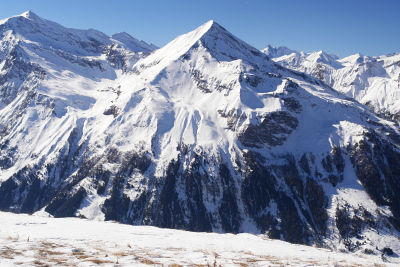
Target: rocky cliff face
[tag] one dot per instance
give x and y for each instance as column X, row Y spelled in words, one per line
column 203, row 134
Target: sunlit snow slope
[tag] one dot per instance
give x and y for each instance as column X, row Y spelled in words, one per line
column 374, row 81
column 203, row 134
column 32, row 241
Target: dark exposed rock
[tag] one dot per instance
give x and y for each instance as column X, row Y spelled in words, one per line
column 333, row 179
column 169, row 211
column 292, row 177
column 251, row 79
column 351, row 222
column 17, row 72
column 115, row 57
column 228, row 210
column 81, row 61
column 66, row 203
column 7, row 155
column 7, row 190
column 387, row 251
column 363, row 161
column 258, row 190
column 201, row 83
column 112, row 110
column 290, row 85
column 258, row 186
column 338, row 159
column 273, row 130
column 327, row 163
column 369, row 251
column 304, row 164
column 377, row 166
column 317, row 202
column 116, row 207
column 193, row 179
column 292, row 104
column 234, row 118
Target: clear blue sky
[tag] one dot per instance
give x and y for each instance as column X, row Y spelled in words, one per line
column 342, row 27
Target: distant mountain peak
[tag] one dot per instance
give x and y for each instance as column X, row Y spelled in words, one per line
column 30, row 15
column 133, row 43
column 274, row 52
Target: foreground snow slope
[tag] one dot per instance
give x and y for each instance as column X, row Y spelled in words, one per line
column 31, row 240
column 374, row 81
column 203, row 134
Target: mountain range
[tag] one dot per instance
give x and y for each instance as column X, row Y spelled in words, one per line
column 373, row 81
column 206, row 133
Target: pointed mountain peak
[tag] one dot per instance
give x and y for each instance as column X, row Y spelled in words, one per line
column 26, row 15
column 209, row 39
column 132, row 43
column 30, row 15
column 212, row 26
column 223, row 45
column 209, row 24
column 275, row 52
column 324, row 57
column 354, row 59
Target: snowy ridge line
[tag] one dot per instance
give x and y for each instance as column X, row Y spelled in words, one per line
column 374, row 81
column 205, row 134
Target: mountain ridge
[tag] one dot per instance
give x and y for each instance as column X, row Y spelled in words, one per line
column 371, row 80
column 203, row 134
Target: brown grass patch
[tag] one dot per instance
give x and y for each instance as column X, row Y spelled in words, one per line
column 47, row 244
column 43, row 251
column 9, row 253
column 98, row 261
column 59, row 261
column 147, row 261
column 39, row 263
column 82, row 256
column 121, row 254
column 174, row 249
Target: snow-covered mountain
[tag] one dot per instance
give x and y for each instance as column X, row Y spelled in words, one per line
column 374, row 81
column 203, row 134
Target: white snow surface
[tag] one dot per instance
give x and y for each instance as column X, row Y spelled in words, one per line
column 27, row 240
column 165, row 98
column 370, row 80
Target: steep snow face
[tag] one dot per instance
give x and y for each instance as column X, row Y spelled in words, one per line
column 204, row 134
column 370, row 80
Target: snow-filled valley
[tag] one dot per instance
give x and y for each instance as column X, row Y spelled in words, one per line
column 205, row 134
column 32, row 240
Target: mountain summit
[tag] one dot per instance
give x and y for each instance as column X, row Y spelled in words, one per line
column 203, row 134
